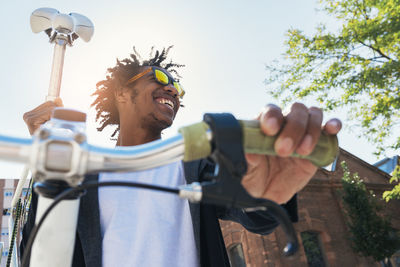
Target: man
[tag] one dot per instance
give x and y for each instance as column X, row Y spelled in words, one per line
column 125, row 227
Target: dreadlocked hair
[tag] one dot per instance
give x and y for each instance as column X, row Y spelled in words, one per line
column 105, row 106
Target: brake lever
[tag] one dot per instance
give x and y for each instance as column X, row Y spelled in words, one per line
column 231, row 194
column 224, row 187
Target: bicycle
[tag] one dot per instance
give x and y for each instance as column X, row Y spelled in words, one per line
column 59, row 157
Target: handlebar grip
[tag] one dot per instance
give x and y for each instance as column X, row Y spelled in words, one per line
column 255, row 141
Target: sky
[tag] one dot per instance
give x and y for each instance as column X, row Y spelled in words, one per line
column 225, row 46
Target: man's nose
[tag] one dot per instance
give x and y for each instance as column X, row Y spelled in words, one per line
column 171, row 90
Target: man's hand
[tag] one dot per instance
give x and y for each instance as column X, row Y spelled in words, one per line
column 40, row 114
column 279, row 177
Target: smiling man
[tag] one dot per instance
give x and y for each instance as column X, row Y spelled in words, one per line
column 147, row 104
column 125, row 227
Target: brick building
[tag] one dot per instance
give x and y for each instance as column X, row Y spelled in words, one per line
column 7, row 190
column 320, row 221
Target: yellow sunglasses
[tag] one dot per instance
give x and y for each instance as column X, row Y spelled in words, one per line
column 161, row 77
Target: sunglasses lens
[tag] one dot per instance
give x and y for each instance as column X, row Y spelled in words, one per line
column 161, row 77
column 179, row 88
column 164, row 79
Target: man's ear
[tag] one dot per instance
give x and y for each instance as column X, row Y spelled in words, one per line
column 121, row 95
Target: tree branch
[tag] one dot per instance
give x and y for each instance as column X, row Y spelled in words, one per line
column 375, row 59
column 376, row 49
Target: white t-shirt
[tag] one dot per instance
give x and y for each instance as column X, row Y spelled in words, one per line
column 142, row 227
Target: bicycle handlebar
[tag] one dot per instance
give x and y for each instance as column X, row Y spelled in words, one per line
column 66, row 156
column 70, row 155
column 197, row 144
column 59, row 150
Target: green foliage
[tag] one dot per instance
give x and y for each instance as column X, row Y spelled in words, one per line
column 358, row 66
column 370, row 234
column 312, row 249
column 395, row 192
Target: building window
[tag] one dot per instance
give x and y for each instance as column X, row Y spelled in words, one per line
column 6, row 211
column 4, row 231
column 236, row 255
column 395, row 260
column 312, row 248
column 8, row 193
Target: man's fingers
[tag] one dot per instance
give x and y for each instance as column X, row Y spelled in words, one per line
column 271, row 120
column 44, row 106
column 58, row 102
column 298, row 131
column 253, row 159
column 255, row 181
column 293, row 132
column 312, row 133
column 333, row 126
column 40, row 114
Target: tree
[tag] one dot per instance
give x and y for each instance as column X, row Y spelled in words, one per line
column 395, row 192
column 357, row 67
column 370, row 234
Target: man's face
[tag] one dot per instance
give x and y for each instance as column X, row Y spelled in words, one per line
column 154, row 104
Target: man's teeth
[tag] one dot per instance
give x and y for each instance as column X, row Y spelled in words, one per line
column 166, row 101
